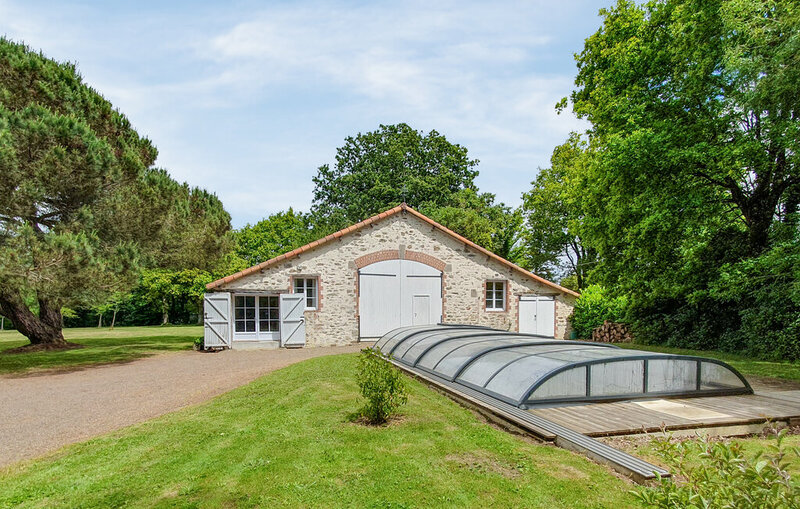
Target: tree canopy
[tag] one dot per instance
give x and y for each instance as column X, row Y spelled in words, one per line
column 553, row 214
column 276, row 234
column 377, row 170
column 694, row 172
column 477, row 217
column 81, row 207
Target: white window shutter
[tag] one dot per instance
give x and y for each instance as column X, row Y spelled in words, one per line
column 293, row 322
column 217, row 320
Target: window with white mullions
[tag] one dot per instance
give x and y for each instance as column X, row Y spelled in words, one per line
column 496, row 295
column 307, row 286
column 256, row 316
column 268, row 317
column 245, row 313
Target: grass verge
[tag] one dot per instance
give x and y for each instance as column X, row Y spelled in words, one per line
column 745, row 365
column 285, row 441
column 100, row 346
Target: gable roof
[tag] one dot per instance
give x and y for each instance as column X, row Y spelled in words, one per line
column 375, row 219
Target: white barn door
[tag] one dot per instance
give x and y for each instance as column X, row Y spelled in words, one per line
column 396, row 293
column 217, row 320
column 379, row 298
column 537, row 315
column 293, row 322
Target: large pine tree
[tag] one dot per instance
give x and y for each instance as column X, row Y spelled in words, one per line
column 81, row 207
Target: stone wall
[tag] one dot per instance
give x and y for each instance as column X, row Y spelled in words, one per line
column 465, row 271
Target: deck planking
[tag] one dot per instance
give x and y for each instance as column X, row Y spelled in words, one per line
column 628, row 417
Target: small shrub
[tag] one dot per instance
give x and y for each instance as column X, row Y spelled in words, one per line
column 381, row 384
column 199, row 343
column 593, row 308
column 718, row 474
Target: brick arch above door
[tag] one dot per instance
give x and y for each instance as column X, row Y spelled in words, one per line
column 395, row 254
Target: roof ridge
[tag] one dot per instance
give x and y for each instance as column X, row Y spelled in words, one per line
column 404, row 207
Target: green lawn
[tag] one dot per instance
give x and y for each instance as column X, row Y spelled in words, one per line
column 285, row 441
column 101, row 346
column 745, row 365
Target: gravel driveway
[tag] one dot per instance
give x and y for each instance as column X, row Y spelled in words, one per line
column 39, row 414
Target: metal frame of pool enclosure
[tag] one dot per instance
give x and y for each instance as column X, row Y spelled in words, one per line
column 525, row 370
column 503, row 374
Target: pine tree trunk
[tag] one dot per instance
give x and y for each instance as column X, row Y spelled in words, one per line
column 44, row 330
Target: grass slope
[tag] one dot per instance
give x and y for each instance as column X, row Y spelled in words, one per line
column 746, row 365
column 284, row 441
column 101, row 346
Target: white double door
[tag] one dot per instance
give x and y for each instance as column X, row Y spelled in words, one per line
column 537, row 315
column 397, row 293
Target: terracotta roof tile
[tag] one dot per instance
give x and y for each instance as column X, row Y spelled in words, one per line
column 374, row 219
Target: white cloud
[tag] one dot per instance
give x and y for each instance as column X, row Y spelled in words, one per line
column 249, row 102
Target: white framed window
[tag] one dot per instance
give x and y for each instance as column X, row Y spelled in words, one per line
column 495, row 295
column 245, row 313
column 255, row 314
column 307, row 286
column 268, row 314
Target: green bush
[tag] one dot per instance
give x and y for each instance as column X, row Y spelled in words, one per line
column 719, row 474
column 750, row 307
column 594, row 307
column 199, row 343
column 381, row 384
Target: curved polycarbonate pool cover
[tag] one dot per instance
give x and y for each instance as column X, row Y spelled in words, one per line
column 526, row 369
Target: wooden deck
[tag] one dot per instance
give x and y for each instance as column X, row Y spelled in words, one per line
column 631, row 417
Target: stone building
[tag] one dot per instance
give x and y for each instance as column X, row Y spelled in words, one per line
column 394, row 269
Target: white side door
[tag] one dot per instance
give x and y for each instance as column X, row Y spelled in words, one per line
column 293, row 322
column 421, row 310
column 217, row 320
column 537, row 315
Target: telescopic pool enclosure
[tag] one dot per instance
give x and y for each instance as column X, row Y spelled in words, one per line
column 527, row 370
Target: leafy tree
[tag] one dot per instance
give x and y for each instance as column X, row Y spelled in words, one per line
column 81, row 208
column 553, row 215
column 478, row 218
column 163, row 288
column 695, row 106
column 380, row 169
column 274, row 235
column 694, row 121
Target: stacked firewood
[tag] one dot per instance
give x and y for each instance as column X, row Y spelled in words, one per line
column 612, row 332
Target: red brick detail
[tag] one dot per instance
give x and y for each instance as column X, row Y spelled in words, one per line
column 427, row 259
column 394, row 254
column 444, row 300
column 483, row 297
column 377, row 256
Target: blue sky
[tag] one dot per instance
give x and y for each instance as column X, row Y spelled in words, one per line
column 247, row 99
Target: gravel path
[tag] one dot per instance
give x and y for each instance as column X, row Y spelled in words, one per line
column 39, row 414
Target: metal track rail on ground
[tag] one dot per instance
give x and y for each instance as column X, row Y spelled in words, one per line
column 637, row 469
